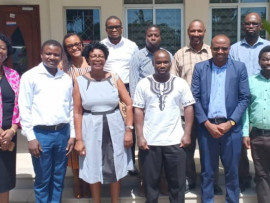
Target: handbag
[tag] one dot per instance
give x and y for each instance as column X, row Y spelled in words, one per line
column 122, row 105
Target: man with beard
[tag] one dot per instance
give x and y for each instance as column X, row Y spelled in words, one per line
column 257, row 117
column 183, row 66
column 121, row 50
column 160, row 136
column 247, row 51
column 220, row 88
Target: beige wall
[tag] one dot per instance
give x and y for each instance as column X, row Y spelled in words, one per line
column 201, row 9
column 52, row 14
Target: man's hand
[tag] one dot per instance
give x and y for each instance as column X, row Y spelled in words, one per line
column 70, row 145
column 246, row 142
column 80, row 148
column 128, row 139
column 142, row 144
column 34, row 148
column 224, row 127
column 185, row 141
column 213, row 129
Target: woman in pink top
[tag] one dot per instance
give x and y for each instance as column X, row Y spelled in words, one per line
column 9, row 120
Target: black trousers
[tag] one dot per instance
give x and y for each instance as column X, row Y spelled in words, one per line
column 173, row 158
column 260, row 150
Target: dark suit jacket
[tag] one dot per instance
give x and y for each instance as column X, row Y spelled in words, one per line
column 237, row 92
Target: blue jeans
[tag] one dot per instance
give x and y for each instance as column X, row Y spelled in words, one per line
column 50, row 167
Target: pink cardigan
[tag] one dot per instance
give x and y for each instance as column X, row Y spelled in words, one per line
column 13, row 79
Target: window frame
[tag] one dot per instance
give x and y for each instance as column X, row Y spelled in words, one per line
column 237, row 6
column 80, row 8
column 154, row 7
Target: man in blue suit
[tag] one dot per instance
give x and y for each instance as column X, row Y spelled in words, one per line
column 220, row 88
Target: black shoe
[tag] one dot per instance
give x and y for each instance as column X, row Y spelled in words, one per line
column 190, row 187
column 242, row 187
column 133, row 172
column 217, row 190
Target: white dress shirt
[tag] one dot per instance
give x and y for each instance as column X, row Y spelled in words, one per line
column 45, row 99
column 119, row 57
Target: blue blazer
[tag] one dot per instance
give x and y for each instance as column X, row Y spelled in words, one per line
column 237, row 92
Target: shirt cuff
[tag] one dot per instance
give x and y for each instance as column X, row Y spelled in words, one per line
column 30, row 136
column 72, row 133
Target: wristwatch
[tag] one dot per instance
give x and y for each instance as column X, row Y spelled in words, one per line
column 232, row 122
column 129, row 127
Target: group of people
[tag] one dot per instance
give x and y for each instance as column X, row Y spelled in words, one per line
column 68, row 108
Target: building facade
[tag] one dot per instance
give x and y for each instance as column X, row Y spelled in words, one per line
column 30, row 22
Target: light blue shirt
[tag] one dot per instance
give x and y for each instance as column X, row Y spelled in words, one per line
column 217, row 108
column 242, row 51
column 140, row 67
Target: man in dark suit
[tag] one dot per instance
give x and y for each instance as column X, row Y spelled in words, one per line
column 220, row 88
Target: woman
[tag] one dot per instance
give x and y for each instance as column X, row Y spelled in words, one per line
column 102, row 140
column 75, row 65
column 9, row 120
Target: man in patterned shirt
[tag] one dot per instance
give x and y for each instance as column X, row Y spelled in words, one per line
column 160, row 136
column 183, row 66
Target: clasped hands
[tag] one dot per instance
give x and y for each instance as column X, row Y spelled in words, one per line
column 218, row 130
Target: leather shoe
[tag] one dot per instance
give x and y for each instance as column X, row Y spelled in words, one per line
column 217, row 190
column 189, row 188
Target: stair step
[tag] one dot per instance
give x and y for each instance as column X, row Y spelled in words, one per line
column 24, row 192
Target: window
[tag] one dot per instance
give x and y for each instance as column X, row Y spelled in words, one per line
column 84, row 22
column 228, row 18
column 167, row 16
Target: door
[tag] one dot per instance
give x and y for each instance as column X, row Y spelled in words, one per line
column 21, row 24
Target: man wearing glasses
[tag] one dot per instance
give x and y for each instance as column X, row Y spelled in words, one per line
column 220, row 88
column 247, row 51
column 120, row 52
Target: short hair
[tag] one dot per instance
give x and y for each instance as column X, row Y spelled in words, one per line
column 161, row 51
column 95, row 45
column 53, row 43
column 5, row 39
column 64, row 44
column 196, row 20
column 263, row 50
column 112, row 17
column 152, row 26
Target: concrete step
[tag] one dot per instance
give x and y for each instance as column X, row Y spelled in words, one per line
column 24, row 193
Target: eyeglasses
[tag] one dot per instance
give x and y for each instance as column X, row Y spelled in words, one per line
column 117, row 27
column 251, row 23
column 77, row 44
column 97, row 56
column 222, row 48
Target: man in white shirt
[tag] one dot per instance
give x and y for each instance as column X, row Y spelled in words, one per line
column 120, row 52
column 159, row 131
column 46, row 110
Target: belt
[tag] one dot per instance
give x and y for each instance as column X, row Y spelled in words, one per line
column 218, row 120
column 51, row 127
column 260, row 132
column 100, row 113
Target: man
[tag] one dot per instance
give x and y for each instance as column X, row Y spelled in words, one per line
column 183, row 66
column 141, row 66
column 46, row 110
column 257, row 117
column 121, row 50
column 247, row 51
column 141, row 63
column 220, row 87
column 160, row 135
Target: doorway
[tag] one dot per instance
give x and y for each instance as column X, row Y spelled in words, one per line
column 22, row 25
